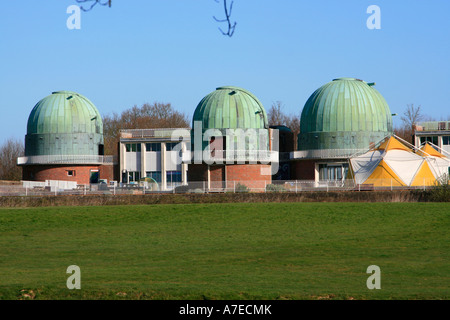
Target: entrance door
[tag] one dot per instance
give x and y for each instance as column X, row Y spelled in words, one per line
column 94, row 177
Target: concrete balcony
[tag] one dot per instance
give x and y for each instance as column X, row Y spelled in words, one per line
column 327, row 154
column 166, row 133
column 66, row 159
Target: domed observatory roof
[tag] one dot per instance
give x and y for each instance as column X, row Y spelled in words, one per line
column 64, row 123
column 231, row 108
column 346, row 113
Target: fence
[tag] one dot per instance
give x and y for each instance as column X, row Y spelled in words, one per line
column 289, row 186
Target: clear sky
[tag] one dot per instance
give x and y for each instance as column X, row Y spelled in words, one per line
column 142, row 51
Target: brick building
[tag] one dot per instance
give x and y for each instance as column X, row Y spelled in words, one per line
column 231, row 143
column 64, row 141
column 342, row 118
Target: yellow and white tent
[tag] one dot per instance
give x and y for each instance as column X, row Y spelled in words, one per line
column 439, row 163
column 395, row 164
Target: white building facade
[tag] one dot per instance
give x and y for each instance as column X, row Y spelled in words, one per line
column 435, row 132
column 154, row 156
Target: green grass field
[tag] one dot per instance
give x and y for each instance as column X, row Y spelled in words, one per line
column 227, row 251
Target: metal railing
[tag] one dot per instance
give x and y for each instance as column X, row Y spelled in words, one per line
column 66, row 159
column 257, row 186
column 434, row 125
column 150, row 133
column 327, row 153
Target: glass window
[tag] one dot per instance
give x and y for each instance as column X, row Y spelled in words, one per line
column 134, row 176
column 133, row 147
column 344, row 171
column 446, row 140
column 156, row 175
column 432, row 139
column 153, row 147
column 173, row 176
column 338, row 173
column 333, row 172
column 170, row 146
column 322, row 172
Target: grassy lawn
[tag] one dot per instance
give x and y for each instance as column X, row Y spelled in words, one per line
column 227, row 251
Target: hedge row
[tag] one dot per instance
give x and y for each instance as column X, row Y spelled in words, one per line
column 103, row 200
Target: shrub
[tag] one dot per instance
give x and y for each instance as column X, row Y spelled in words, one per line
column 182, row 189
column 441, row 191
column 241, row 188
column 275, row 188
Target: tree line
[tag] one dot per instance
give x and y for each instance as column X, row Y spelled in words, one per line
column 156, row 115
column 9, row 152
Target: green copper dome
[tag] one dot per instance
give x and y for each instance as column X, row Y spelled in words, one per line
column 232, row 108
column 346, row 113
column 64, row 123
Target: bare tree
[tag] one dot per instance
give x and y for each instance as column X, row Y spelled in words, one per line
column 156, row 115
column 293, row 123
column 412, row 116
column 277, row 117
column 227, row 9
column 9, row 152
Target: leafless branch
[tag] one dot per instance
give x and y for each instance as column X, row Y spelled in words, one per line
column 94, row 2
column 412, row 116
column 228, row 11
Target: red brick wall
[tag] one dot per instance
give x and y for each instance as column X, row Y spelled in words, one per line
column 303, row 170
column 249, row 175
column 108, row 172
column 217, row 176
column 82, row 173
column 246, row 174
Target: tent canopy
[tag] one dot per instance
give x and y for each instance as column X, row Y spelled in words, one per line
column 393, row 163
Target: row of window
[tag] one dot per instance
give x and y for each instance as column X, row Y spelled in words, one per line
column 333, row 172
column 171, row 176
column 434, row 140
column 149, row 147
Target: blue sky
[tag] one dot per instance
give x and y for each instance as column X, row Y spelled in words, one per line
column 172, row 51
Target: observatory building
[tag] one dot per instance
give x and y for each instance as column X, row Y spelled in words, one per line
column 231, row 141
column 64, row 141
column 340, row 119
